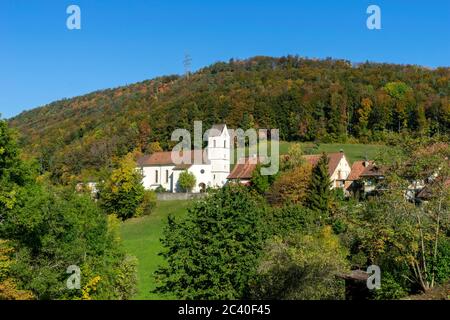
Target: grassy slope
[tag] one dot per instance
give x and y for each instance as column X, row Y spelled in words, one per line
column 352, row 151
column 141, row 238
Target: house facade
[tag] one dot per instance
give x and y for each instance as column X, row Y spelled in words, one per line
column 338, row 167
column 210, row 166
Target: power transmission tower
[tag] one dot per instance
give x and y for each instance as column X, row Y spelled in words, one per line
column 187, row 65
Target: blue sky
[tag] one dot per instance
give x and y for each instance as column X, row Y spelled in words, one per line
column 121, row 42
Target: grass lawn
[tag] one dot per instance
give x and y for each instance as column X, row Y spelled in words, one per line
column 352, row 151
column 141, row 238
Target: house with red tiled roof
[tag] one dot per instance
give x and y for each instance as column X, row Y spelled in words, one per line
column 243, row 170
column 210, row 166
column 353, row 182
column 338, row 167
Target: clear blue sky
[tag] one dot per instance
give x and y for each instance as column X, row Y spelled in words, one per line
column 122, row 42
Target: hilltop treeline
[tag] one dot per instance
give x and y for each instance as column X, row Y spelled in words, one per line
column 308, row 100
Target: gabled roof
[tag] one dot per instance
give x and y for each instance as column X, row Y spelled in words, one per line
column 216, row 130
column 244, row 168
column 165, row 159
column 373, row 170
column 358, row 168
column 333, row 160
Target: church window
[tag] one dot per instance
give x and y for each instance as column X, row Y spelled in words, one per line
column 156, row 176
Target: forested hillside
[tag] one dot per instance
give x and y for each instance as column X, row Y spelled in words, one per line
column 308, row 100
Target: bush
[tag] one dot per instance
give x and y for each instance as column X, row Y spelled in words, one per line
column 160, row 189
column 186, row 181
column 148, row 203
column 390, row 288
column 302, row 267
column 291, row 218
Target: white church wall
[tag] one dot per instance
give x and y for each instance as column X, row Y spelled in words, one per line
column 156, row 176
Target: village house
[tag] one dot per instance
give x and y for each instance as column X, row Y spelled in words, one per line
column 210, row 166
column 338, row 168
column 361, row 178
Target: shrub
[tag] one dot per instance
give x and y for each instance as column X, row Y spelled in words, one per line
column 186, row 181
column 302, row 267
column 148, row 203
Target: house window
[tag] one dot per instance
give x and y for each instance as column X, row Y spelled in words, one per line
column 214, row 143
column 156, row 176
column 224, row 143
column 167, row 176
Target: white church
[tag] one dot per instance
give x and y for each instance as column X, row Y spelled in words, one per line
column 210, row 167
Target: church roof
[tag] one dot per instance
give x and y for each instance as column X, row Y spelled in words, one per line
column 216, row 130
column 165, row 159
column 244, row 168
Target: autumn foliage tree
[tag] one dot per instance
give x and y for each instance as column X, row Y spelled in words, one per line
column 291, row 186
column 123, row 193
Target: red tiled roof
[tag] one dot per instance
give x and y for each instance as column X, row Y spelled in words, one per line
column 358, row 168
column 165, row 158
column 373, row 170
column 333, row 160
column 244, row 168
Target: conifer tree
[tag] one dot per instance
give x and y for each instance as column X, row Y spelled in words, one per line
column 320, row 194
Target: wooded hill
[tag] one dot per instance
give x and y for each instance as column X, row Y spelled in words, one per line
column 308, row 100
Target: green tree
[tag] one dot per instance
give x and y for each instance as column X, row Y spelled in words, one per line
column 52, row 229
column 294, row 158
column 302, row 267
column 213, row 252
column 320, row 195
column 186, row 181
column 261, row 183
column 123, row 193
column 14, row 173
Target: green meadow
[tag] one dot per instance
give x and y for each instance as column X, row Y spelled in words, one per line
column 141, row 238
column 353, row 152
